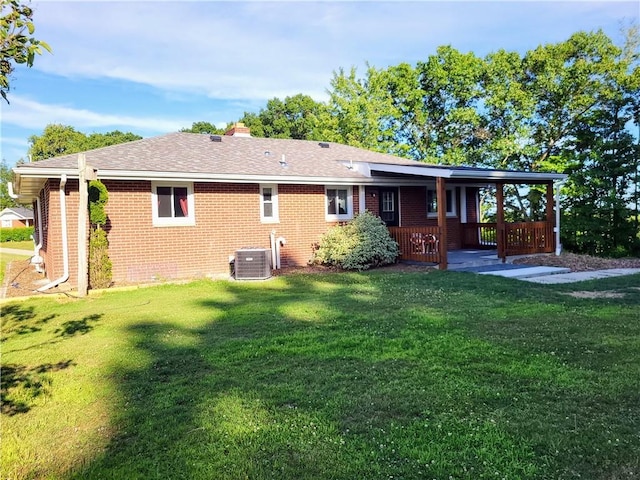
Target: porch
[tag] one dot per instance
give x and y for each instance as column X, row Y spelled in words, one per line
column 427, row 244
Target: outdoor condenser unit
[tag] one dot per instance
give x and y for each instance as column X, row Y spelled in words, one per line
column 253, row 264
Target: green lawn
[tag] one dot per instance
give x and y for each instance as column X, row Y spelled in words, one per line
column 338, row 376
column 25, row 245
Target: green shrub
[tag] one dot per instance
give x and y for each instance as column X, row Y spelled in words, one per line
column 362, row 243
column 99, row 263
column 100, row 266
column 16, row 234
column 98, row 198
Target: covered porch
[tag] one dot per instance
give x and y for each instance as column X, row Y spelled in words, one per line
column 430, row 236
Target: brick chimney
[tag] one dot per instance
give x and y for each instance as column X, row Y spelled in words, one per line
column 238, row 130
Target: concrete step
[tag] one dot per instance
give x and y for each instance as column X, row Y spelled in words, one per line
column 527, row 272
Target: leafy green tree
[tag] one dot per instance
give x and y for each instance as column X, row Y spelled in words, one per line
column 18, row 46
column 294, row 117
column 204, row 127
column 55, row 140
column 5, row 176
column 99, row 140
column 360, row 111
column 59, row 140
column 449, row 85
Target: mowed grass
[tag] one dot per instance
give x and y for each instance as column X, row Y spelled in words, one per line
column 339, row 376
column 23, row 245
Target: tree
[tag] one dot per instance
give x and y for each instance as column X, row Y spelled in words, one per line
column 204, row 127
column 5, row 176
column 294, row 117
column 360, row 112
column 55, row 140
column 59, row 140
column 18, row 44
column 99, row 140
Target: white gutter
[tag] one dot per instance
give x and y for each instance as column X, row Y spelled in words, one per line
column 15, row 196
column 358, row 174
column 65, row 240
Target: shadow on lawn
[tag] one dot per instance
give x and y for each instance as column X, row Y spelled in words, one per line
column 20, row 320
column 21, row 386
column 284, row 382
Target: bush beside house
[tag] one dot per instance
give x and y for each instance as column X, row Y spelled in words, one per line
column 362, row 243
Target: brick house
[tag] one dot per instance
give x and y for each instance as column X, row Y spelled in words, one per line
column 181, row 204
column 16, row 217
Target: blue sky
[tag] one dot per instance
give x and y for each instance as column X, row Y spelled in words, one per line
column 152, row 67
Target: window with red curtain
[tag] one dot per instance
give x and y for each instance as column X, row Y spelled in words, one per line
column 172, row 202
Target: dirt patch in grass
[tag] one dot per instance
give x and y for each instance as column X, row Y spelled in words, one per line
column 21, row 279
column 578, row 263
column 605, row 294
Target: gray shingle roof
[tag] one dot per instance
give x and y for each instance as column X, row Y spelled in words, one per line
column 198, row 154
column 25, row 213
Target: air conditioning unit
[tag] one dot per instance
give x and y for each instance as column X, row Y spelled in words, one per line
column 253, row 264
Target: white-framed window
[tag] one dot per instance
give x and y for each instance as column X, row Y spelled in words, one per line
column 172, row 204
column 7, row 223
column 338, row 203
column 432, row 202
column 269, row 203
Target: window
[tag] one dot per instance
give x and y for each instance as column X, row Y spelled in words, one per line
column 172, row 204
column 7, row 223
column 432, row 203
column 269, row 204
column 339, row 203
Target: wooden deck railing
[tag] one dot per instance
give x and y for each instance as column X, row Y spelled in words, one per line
column 519, row 238
column 421, row 244
column 523, row 238
column 479, row 235
column 418, row 244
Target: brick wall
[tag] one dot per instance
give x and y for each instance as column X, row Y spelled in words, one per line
column 472, row 212
column 413, row 213
column 227, row 218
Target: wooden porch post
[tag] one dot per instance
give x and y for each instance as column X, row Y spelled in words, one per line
column 441, row 197
column 550, row 218
column 500, row 227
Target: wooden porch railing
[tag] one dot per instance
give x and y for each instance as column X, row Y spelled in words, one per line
column 521, row 238
column 421, row 244
column 418, row 244
column 479, row 235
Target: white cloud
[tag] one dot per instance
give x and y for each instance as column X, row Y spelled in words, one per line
column 256, row 50
column 33, row 115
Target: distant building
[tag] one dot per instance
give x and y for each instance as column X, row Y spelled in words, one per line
column 16, row 217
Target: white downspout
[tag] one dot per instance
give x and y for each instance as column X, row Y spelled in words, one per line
column 37, row 259
column 65, row 240
column 362, row 199
column 557, row 227
column 273, row 248
column 279, row 241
